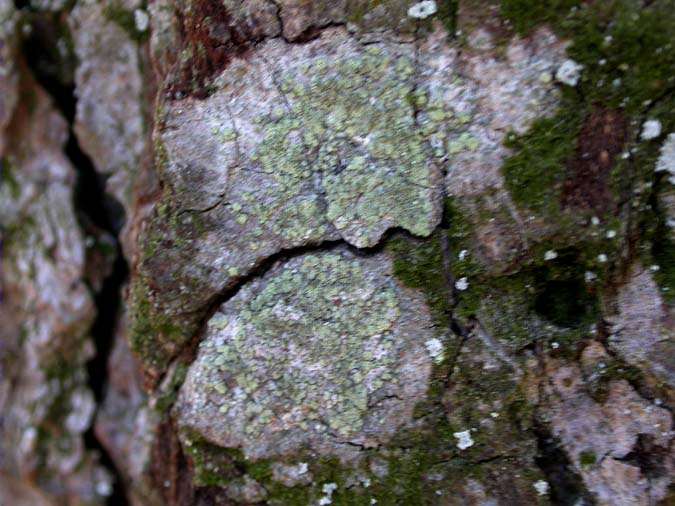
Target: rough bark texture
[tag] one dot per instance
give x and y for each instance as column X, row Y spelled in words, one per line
column 337, row 252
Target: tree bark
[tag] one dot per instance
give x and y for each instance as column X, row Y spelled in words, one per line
column 337, row 252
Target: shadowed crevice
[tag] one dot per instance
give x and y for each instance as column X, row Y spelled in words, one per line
column 566, row 486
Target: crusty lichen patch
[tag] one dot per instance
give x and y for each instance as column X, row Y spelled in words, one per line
column 323, row 351
column 347, row 133
column 328, row 141
column 300, row 144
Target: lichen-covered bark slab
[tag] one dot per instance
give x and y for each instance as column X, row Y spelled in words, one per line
column 300, row 144
column 332, row 139
column 324, row 353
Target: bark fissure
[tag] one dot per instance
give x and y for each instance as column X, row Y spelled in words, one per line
column 96, row 210
column 187, row 353
column 567, row 487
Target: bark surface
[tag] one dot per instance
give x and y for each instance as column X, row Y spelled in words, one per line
column 345, row 252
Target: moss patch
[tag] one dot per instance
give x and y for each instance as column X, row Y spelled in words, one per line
column 587, row 459
column 525, row 15
column 447, row 13
column 535, row 174
column 625, row 49
column 7, row 179
column 627, row 65
column 151, row 331
column 419, row 264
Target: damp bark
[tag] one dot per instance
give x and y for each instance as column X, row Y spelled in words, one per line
column 97, row 213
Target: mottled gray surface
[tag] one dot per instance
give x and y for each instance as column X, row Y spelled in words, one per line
column 641, row 333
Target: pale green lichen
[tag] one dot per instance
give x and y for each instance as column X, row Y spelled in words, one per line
column 301, row 357
column 341, row 142
column 350, row 134
column 299, row 306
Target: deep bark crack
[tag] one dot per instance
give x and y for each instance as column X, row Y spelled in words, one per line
column 92, row 207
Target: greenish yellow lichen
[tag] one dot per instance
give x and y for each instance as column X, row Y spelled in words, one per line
column 351, row 128
column 345, row 336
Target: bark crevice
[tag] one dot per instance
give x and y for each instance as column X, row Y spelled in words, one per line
column 98, row 212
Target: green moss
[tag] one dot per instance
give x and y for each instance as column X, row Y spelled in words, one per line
column 623, row 40
column 324, row 470
column 165, row 308
column 410, row 458
column 525, row 15
column 150, row 331
column 419, row 264
column 125, row 20
column 415, row 453
column 7, row 178
column 628, row 66
column 359, row 8
column 534, row 175
column 663, row 253
column 213, row 465
column 447, row 13
column 544, row 300
column 431, row 448
column 460, row 233
column 167, row 398
column 659, row 247
column 587, row 459
column 220, row 467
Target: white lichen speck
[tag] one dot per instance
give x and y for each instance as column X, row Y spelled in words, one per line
column 569, row 72
column 435, row 348
column 327, row 489
column 651, row 129
column 422, row 10
column 462, row 284
column 550, row 255
column 141, row 20
column 464, row 439
column 666, row 161
column 541, row 487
